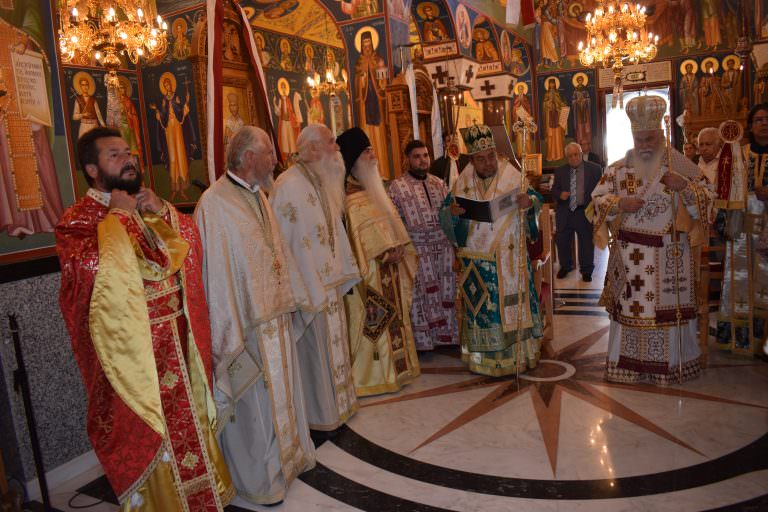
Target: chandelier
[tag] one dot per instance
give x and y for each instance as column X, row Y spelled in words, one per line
column 330, row 86
column 616, row 34
column 107, row 29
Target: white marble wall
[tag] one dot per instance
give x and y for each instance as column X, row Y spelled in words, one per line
column 58, row 396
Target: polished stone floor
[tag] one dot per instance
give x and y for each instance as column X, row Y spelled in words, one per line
column 558, row 438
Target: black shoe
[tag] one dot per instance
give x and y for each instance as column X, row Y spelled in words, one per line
column 562, row 273
column 586, row 277
column 275, row 504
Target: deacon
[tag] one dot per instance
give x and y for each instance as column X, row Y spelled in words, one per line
column 132, row 299
column 380, row 336
column 253, row 288
column 308, row 202
column 572, row 188
column 648, row 200
column 501, row 321
column 743, row 325
column 418, row 196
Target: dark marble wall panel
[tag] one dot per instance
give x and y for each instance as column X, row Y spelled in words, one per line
column 58, row 396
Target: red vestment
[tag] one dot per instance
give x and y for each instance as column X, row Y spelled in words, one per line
column 127, row 447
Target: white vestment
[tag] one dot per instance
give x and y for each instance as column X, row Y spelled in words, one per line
column 253, row 289
column 320, row 245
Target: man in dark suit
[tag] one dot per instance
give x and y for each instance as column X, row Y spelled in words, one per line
column 590, row 156
column 449, row 166
column 572, row 190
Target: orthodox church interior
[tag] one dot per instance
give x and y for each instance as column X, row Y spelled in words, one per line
column 555, row 438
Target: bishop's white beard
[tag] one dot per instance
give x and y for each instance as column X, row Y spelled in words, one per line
column 647, row 162
column 268, row 183
column 367, row 174
column 331, row 172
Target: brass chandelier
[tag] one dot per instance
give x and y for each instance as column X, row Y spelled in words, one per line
column 106, row 29
column 617, row 34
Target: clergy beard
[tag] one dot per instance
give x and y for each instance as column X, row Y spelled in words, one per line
column 331, row 172
column 268, row 183
column 130, row 185
column 367, row 174
column 647, row 161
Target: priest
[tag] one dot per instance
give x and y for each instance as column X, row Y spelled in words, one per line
column 418, row 196
column 501, row 330
column 133, row 303
column 654, row 202
column 309, row 204
column 380, row 335
column 253, row 289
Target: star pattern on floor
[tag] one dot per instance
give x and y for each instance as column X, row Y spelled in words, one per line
column 546, row 384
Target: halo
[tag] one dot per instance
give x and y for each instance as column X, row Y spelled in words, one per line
column 547, row 79
column 123, row 80
column 309, row 51
column 714, row 61
column 480, row 30
column 424, row 5
column 280, row 44
column 83, row 75
column 374, row 37
column 729, row 58
column 523, row 86
column 179, row 22
column 170, row 77
column 250, row 12
column 575, row 9
column 685, row 63
column 580, row 74
column 730, row 131
column 287, row 86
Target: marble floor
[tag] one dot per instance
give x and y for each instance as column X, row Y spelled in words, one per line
column 558, row 438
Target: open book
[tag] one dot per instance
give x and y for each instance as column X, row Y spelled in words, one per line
column 488, row 211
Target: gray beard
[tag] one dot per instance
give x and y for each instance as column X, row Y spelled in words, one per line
column 646, row 164
column 331, row 172
column 367, row 174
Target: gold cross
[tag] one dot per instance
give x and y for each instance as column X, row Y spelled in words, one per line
column 637, row 308
column 630, row 184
